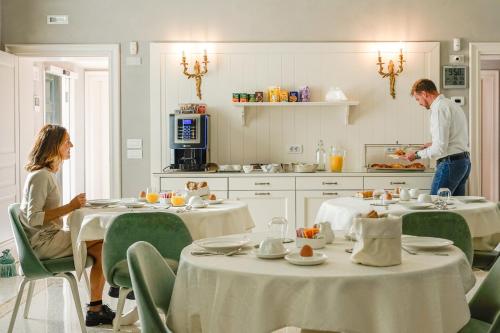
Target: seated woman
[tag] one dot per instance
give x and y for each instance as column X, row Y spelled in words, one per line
column 41, row 214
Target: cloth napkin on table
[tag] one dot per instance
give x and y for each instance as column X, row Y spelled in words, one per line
column 378, row 241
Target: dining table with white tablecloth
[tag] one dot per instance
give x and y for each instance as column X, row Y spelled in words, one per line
column 483, row 218
column 91, row 223
column 245, row 294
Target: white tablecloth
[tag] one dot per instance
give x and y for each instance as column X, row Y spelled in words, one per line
column 242, row 293
column 483, row 218
column 230, row 217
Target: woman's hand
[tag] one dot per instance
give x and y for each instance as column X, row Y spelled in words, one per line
column 78, row 202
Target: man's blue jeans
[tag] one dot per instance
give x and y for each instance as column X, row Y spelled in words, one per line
column 452, row 175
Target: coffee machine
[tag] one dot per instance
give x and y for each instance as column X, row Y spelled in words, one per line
column 189, row 134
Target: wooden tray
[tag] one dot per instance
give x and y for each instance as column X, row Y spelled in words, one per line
column 397, row 169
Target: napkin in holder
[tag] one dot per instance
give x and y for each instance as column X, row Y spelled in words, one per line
column 378, row 241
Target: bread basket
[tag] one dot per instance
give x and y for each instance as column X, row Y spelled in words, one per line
column 305, row 168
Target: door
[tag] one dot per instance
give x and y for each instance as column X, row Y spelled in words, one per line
column 264, row 205
column 490, row 156
column 9, row 141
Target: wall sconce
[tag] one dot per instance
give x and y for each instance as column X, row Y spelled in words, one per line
column 198, row 73
column 391, row 73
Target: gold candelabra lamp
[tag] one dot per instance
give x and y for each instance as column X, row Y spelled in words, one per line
column 197, row 72
column 391, row 72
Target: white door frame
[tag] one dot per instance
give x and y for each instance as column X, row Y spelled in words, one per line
column 476, row 50
column 110, row 51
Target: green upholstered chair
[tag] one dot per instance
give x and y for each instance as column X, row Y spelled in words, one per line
column 36, row 269
column 153, row 283
column 165, row 231
column 446, row 225
column 485, row 305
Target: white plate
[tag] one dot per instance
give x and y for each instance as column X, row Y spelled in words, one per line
column 101, row 202
column 296, row 259
column 215, row 202
column 261, row 255
column 200, row 205
column 221, row 244
column 470, row 198
column 133, row 204
column 424, row 242
column 416, row 205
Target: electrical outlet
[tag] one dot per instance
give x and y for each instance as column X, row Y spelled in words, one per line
column 294, row 149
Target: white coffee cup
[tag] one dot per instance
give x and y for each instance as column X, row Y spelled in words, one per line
column 424, row 198
column 271, row 246
column 247, row 168
column 414, row 193
column 195, row 201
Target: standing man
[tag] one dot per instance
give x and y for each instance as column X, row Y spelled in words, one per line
column 449, row 139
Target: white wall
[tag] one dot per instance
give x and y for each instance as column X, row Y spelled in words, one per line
column 248, row 67
column 95, row 21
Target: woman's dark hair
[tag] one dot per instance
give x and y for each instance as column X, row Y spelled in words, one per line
column 45, row 152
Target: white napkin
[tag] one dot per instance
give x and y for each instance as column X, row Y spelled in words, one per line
column 378, row 241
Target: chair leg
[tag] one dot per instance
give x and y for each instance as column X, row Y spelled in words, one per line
column 76, row 297
column 27, row 305
column 87, row 282
column 119, row 308
column 16, row 306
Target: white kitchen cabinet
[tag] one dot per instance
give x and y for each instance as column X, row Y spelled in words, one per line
column 308, row 203
column 262, row 183
column 264, row 205
column 389, row 183
column 329, row 183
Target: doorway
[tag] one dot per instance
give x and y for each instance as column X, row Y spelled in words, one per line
column 63, row 91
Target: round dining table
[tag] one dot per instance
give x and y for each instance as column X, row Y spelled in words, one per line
column 242, row 293
column 483, row 218
column 91, row 223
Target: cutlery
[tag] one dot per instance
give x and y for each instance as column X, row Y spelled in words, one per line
column 209, row 253
column 228, row 254
column 409, row 251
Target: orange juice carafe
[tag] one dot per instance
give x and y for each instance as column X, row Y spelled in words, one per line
column 152, row 197
column 177, row 200
column 337, row 159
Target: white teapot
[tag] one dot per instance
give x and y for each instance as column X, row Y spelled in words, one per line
column 325, row 229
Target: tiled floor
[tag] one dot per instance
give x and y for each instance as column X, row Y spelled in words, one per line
column 53, row 311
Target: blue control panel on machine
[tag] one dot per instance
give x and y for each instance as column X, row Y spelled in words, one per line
column 186, row 129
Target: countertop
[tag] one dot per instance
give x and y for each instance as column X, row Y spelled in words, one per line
column 258, row 173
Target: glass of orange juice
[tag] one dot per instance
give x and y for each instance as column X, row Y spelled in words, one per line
column 337, row 160
column 152, row 195
column 178, row 198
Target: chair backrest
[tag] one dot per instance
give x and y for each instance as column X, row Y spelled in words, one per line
column 165, row 231
column 446, row 225
column 485, row 304
column 153, row 283
column 31, row 265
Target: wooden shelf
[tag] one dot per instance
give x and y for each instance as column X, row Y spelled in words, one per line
column 344, row 104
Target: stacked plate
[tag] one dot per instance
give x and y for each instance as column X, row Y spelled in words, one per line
column 101, row 202
column 222, row 244
column 470, row 199
column 424, row 243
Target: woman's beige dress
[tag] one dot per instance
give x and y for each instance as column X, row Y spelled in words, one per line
column 41, row 193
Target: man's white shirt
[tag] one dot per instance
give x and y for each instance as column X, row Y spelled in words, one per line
column 449, row 130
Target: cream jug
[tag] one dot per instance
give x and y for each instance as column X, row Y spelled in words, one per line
column 325, row 229
column 404, row 194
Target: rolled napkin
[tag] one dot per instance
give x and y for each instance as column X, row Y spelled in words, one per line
column 378, row 241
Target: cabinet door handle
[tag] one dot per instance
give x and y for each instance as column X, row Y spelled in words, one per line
column 329, row 183
column 330, row 193
column 262, row 193
column 263, row 183
column 398, row 183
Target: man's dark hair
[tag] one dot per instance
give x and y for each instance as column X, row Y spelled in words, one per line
column 423, row 85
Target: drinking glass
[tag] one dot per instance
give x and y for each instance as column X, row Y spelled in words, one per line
column 152, row 195
column 444, row 195
column 178, row 198
column 278, row 227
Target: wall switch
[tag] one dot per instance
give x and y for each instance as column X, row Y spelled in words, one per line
column 133, row 48
column 457, row 59
column 134, row 143
column 460, row 100
column 294, row 149
column 134, row 154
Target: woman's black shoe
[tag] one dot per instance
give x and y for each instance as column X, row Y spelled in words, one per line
column 115, row 293
column 104, row 316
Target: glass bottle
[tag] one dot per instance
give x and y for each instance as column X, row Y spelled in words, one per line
column 320, row 156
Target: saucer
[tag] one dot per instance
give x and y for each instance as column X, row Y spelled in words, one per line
column 200, row 205
column 261, row 255
column 214, row 202
column 296, row 259
column 133, row 204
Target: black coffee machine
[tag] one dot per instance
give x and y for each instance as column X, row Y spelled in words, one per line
column 189, row 141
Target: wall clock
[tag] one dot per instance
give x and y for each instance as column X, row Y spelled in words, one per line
column 455, row 76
